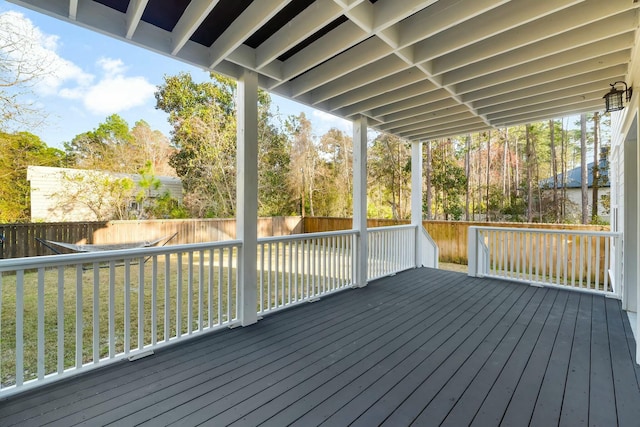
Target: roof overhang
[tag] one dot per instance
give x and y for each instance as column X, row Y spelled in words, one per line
column 417, row 69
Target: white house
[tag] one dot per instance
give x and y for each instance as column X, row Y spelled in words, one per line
column 64, row 194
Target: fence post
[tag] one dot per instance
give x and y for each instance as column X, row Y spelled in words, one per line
column 472, row 251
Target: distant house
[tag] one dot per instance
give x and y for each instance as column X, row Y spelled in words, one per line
column 573, row 185
column 63, row 194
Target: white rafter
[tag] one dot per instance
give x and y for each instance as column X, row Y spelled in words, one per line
column 134, row 14
column 254, row 17
column 196, row 12
column 73, row 9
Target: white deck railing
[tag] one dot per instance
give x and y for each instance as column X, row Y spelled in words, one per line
column 303, row 267
column 580, row 260
column 391, row 250
column 63, row 314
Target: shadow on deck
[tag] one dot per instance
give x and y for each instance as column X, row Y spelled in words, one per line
column 425, row 347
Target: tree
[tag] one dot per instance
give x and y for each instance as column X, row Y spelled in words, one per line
column 449, row 180
column 390, row 168
column 22, row 65
column 204, row 135
column 596, row 169
column 105, row 148
column 304, row 159
column 105, row 195
column 335, row 168
column 274, row 197
column 583, row 166
column 17, row 152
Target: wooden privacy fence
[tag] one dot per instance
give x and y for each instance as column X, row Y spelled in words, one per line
column 450, row 236
column 20, row 239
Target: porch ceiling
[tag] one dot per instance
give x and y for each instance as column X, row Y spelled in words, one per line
column 418, row 69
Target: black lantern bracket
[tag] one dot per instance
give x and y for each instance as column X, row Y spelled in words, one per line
column 614, row 98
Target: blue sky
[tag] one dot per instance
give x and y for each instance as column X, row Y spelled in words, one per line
column 97, row 76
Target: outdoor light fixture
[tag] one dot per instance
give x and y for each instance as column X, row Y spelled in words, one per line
column 613, row 99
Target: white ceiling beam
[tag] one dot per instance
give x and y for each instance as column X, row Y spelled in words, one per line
column 496, row 21
column 417, row 111
column 308, row 22
column 433, row 115
column 388, row 84
column 364, row 53
column 609, row 74
column 135, row 10
column 452, row 132
column 385, row 67
column 559, row 24
column 438, row 17
column 566, row 110
column 423, row 88
column 466, row 81
column 473, row 121
column 409, row 103
column 73, row 9
column 345, row 36
column 193, row 16
column 253, row 17
column 564, row 74
column 441, row 121
column 362, row 16
column 581, row 90
column 551, row 102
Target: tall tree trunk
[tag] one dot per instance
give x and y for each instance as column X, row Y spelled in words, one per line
column 488, row 172
column 428, row 170
column 596, row 169
column 529, row 175
column 563, row 165
column 583, row 166
column 554, row 170
column 504, row 167
column 479, row 176
column 467, row 171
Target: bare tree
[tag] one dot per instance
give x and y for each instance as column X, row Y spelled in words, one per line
column 467, row 170
column 554, row 170
column 23, row 64
column 583, row 168
column 428, row 173
column 595, row 170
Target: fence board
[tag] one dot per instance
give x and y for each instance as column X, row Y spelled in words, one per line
column 20, row 239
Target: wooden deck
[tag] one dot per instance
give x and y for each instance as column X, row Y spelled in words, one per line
column 425, row 347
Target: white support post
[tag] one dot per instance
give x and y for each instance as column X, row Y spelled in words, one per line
column 416, row 197
column 247, row 195
column 472, row 251
column 360, row 199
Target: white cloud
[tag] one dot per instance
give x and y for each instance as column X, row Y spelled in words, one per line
column 119, row 93
column 112, row 92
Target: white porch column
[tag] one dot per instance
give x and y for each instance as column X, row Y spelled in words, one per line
column 360, row 199
column 247, row 195
column 416, row 196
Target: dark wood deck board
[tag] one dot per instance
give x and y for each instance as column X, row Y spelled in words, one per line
column 424, row 347
column 575, row 404
column 550, row 394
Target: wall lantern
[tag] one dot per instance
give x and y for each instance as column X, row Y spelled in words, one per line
column 613, row 99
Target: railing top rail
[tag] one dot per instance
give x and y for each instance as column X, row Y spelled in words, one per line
column 548, row 231
column 391, row 228
column 307, row 236
column 103, row 256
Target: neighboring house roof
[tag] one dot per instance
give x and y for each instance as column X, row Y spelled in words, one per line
column 574, row 176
